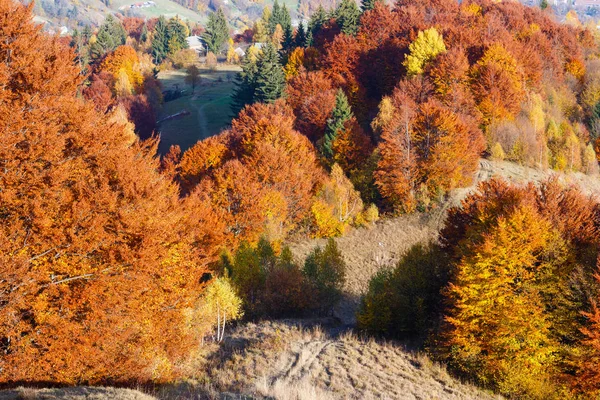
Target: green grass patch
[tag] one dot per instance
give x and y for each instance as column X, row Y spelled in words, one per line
column 209, row 108
column 163, row 7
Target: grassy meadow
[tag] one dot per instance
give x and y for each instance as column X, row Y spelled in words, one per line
column 209, row 107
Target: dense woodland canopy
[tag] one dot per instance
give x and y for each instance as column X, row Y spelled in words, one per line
column 101, row 259
column 116, row 264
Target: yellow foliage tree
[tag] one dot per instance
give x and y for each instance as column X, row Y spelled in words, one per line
column 220, row 304
column 277, row 37
column 428, row 44
column 124, row 65
column 295, row 63
column 497, row 329
column 385, row 115
column 339, row 205
column 232, row 56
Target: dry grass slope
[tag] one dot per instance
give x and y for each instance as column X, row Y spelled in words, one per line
column 369, row 249
column 284, row 360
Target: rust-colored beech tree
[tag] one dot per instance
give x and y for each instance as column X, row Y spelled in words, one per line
column 312, row 97
column 425, row 147
column 261, row 175
column 101, row 260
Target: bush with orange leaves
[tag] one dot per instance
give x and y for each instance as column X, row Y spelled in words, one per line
column 101, row 260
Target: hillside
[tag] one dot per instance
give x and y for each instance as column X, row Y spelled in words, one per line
column 285, row 360
column 305, row 359
column 340, row 237
column 367, row 250
column 78, row 13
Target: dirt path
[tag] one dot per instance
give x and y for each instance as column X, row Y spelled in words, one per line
column 299, row 363
column 202, row 120
column 315, row 365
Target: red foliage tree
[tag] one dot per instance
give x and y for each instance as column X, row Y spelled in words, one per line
column 99, row 91
column 312, row 97
column 133, row 26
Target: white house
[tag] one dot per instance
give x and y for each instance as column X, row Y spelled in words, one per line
column 196, row 43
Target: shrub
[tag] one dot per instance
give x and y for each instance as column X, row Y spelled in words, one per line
column 286, row 292
column 184, row 58
column 498, row 152
column 270, row 285
column 325, row 270
column 211, row 60
column 403, row 302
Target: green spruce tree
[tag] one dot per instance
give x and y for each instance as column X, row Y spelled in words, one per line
column 370, row 4
column 177, row 33
column 281, row 16
column 316, row 22
column 274, row 17
column 86, row 33
column 340, row 115
column 325, row 270
column 110, row 36
column 347, row 16
column 160, row 41
column 245, row 83
column 270, row 77
column 308, row 42
column 286, row 19
column 217, row 31
column 300, row 38
column 144, row 34
column 288, row 41
column 595, row 122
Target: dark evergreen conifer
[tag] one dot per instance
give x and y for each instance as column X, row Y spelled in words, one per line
column 300, row 38
column 216, row 31
column 160, row 41
column 245, row 82
column 340, row 115
column 347, row 16
column 270, row 78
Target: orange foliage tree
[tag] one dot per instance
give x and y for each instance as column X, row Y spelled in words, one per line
column 101, row 259
column 497, row 84
column 312, row 97
column 424, row 147
column 260, row 175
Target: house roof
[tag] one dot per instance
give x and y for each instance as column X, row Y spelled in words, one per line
column 195, row 42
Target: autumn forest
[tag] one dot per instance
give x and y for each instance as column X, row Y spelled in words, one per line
column 121, row 266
